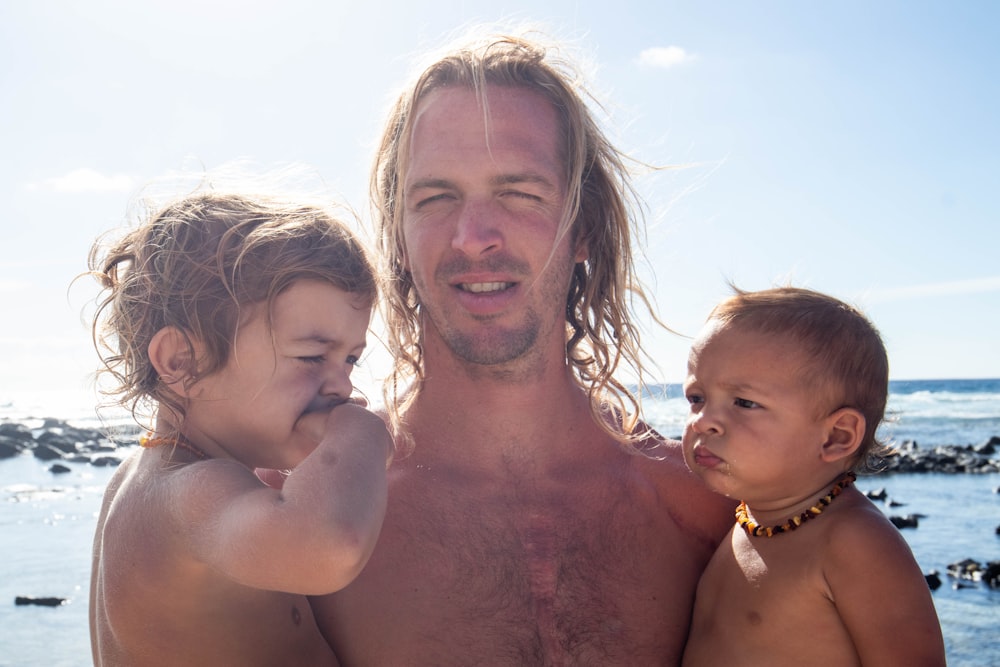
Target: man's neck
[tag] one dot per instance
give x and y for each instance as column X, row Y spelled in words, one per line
column 491, row 422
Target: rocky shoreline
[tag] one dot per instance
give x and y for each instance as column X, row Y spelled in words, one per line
column 910, row 457
column 59, row 442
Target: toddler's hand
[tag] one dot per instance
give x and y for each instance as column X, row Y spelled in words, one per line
column 313, row 424
column 353, row 422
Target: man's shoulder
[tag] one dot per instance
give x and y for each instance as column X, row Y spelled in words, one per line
column 650, row 444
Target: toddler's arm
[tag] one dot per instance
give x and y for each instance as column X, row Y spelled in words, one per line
column 313, row 535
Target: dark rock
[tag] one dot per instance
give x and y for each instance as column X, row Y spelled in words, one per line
column 58, row 441
column 965, row 569
column 105, row 461
column 896, row 503
column 991, row 574
column 10, row 447
column 47, row 452
column 908, row 521
column 16, row 431
column 58, row 469
column 877, row 494
column 933, row 580
column 994, row 440
column 21, row 600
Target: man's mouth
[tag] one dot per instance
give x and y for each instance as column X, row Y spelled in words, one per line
column 482, row 288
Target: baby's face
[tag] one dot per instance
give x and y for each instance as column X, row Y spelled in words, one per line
column 752, row 423
column 297, row 365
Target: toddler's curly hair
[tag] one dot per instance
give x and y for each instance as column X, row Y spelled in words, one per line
column 193, row 264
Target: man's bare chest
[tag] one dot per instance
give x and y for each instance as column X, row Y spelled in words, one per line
column 531, row 578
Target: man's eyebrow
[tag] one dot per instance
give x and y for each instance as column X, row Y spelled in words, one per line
column 502, row 179
column 522, row 177
column 429, row 183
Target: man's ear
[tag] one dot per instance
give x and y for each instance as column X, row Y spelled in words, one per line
column 582, row 252
column 845, row 430
column 173, row 357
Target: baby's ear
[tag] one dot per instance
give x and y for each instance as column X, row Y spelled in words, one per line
column 845, row 431
column 173, row 356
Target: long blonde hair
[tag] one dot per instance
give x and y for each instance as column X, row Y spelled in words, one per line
column 602, row 214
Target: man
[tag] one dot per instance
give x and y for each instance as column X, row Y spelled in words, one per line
column 536, row 520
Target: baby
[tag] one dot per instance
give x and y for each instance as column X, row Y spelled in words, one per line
column 787, row 388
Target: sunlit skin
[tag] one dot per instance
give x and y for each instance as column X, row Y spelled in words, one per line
column 843, row 588
column 480, row 230
column 197, row 562
column 518, row 532
column 280, row 374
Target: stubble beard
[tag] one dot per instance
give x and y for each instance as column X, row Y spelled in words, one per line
column 496, row 347
column 508, row 352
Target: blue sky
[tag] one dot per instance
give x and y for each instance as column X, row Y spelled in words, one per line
column 850, row 147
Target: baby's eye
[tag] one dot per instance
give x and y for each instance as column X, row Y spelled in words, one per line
column 353, row 360
column 746, row 403
column 695, row 399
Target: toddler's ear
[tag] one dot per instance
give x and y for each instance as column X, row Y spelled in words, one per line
column 173, row 357
column 845, row 431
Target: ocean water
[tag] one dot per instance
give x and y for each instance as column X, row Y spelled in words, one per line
column 47, row 522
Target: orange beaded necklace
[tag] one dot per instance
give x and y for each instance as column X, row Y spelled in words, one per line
column 148, row 442
column 754, row 530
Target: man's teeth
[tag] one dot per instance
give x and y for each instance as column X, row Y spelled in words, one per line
column 484, row 287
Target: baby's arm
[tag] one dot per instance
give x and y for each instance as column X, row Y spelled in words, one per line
column 312, row 536
column 881, row 594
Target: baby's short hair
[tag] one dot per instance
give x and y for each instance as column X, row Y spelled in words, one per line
column 848, row 364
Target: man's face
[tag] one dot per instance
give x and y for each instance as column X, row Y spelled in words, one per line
column 483, row 197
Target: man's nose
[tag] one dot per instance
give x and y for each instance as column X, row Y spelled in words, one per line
column 477, row 230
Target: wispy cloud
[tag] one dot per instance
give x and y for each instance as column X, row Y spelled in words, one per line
column 82, row 181
column 950, row 288
column 664, row 57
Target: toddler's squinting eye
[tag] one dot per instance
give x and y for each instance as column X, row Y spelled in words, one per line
column 313, row 360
